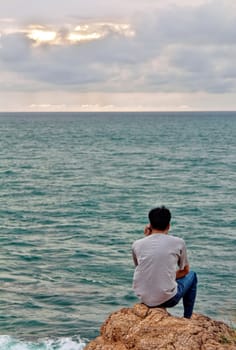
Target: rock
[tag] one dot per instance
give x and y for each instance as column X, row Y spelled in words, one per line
column 143, row 328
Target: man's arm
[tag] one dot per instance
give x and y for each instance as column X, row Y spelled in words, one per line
column 182, row 273
column 134, row 258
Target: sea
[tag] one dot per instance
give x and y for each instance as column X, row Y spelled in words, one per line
column 75, row 192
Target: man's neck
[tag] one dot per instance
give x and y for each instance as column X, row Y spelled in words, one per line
column 164, row 232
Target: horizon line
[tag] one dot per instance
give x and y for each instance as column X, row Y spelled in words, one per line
column 125, row 111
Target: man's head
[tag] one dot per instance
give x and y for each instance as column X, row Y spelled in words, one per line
column 159, row 218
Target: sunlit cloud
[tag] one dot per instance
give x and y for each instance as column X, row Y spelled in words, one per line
column 76, row 36
column 38, row 34
column 8, row 26
column 41, row 35
column 94, row 31
column 47, row 107
column 72, row 35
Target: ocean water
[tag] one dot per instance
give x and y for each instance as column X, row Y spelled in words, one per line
column 75, row 190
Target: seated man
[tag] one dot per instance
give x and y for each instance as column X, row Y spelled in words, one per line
column 157, row 281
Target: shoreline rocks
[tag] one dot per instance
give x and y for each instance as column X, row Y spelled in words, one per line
column 143, row 328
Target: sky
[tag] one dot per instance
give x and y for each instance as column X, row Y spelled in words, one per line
column 117, row 55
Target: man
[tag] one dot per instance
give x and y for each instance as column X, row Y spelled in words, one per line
column 157, row 280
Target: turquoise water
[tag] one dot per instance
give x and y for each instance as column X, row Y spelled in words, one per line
column 75, row 190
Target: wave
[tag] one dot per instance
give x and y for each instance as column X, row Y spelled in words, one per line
column 9, row 343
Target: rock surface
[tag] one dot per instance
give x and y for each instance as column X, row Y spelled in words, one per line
column 143, row 328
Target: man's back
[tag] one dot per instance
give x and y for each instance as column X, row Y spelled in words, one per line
column 155, row 275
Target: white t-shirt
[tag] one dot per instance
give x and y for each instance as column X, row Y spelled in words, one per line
column 158, row 256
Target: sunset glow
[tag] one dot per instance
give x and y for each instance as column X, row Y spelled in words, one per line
column 94, row 31
column 80, row 33
column 42, row 36
column 75, row 36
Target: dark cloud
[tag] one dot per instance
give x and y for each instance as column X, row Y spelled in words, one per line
column 210, row 24
column 15, row 49
column 73, row 65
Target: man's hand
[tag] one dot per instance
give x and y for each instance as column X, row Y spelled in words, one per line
column 182, row 273
column 147, row 230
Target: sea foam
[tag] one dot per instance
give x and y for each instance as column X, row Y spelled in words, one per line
column 10, row 343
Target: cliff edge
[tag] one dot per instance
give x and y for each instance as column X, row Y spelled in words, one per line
column 143, row 328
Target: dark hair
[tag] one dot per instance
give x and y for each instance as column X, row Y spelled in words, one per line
column 159, row 218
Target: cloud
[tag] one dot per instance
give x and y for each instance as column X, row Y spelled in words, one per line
column 210, row 24
column 53, row 57
column 84, row 32
column 55, row 11
column 173, row 49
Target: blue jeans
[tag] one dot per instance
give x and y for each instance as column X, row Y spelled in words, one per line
column 186, row 289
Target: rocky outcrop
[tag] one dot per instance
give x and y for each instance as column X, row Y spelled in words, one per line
column 143, row 328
